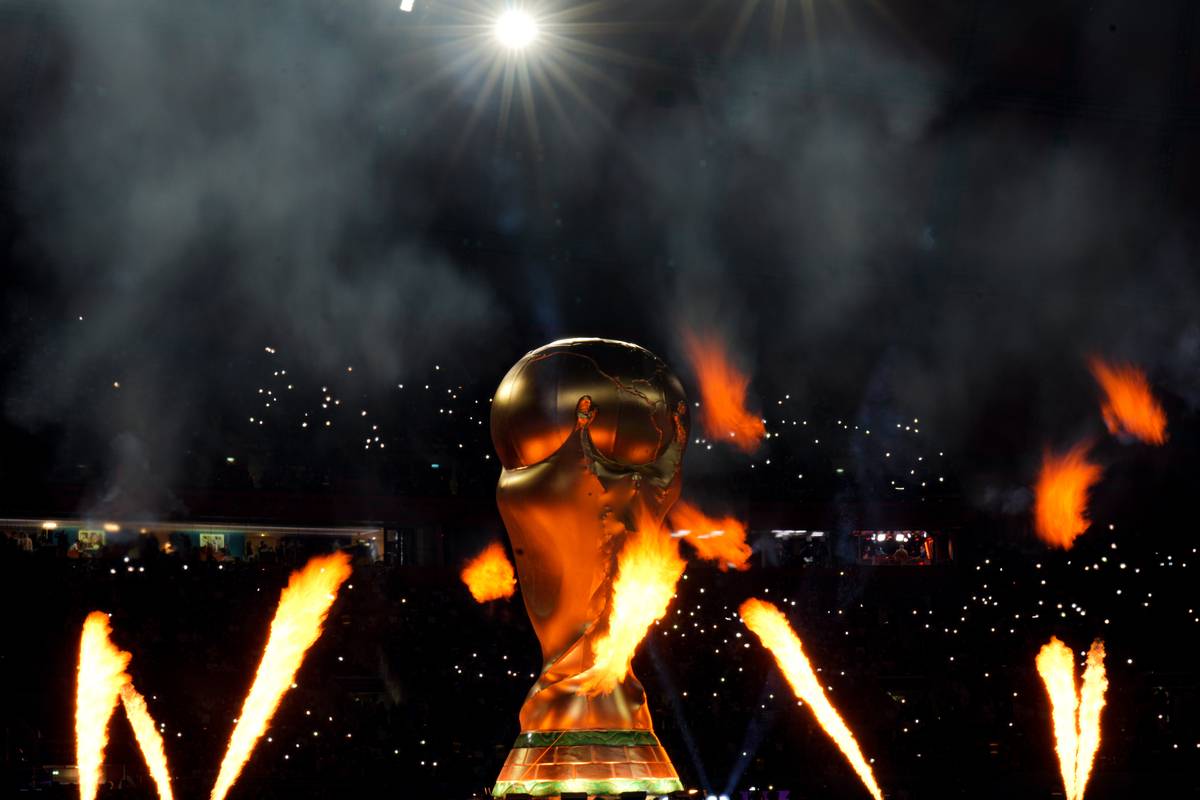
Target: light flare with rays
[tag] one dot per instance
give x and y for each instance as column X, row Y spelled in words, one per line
column 770, row 625
column 528, row 56
column 1074, row 713
column 648, row 568
column 303, row 606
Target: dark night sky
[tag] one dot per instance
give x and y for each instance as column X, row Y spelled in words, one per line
column 899, row 209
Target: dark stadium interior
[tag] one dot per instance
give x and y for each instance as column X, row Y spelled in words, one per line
column 265, row 263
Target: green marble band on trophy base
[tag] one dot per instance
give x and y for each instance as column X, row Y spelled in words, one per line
column 600, row 763
column 613, row 788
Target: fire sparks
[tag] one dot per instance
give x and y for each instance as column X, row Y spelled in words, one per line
column 100, row 679
column 148, row 739
column 1129, row 407
column 771, row 627
column 723, row 395
column 648, row 568
column 1075, row 715
column 1061, row 496
column 721, row 540
column 489, row 575
column 303, row 606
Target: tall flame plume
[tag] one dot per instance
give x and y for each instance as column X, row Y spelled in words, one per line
column 102, row 682
column 1074, row 714
column 1056, row 665
column 489, row 575
column 1061, row 495
column 722, row 540
column 101, row 677
column 148, row 738
column 1129, row 407
column 303, row 606
column 769, row 624
column 648, row 568
column 1091, row 703
column 723, row 394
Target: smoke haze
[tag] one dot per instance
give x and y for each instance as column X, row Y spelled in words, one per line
column 865, row 215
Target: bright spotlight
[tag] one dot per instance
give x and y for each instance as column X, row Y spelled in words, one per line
column 516, row 29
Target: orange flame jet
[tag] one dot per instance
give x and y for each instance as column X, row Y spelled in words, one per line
column 148, row 738
column 102, row 681
column 648, row 567
column 1075, row 714
column 771, row 627
column 489, row 575
column 303, row 606
column 1061, row 496
column 101, row 677
column 722, row 540
column 723, row 395
column 1129, row 406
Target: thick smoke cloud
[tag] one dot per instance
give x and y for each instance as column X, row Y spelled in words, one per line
column 879, row 233
column 873, row 227
column 217, row 178
column 243, row 150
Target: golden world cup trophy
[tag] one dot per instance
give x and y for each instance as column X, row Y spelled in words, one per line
column 591, row 435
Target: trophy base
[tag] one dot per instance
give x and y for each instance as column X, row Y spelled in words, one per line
column 600, row 763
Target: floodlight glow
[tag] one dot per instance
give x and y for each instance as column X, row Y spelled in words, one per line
column 515, row 29
column 406, row 5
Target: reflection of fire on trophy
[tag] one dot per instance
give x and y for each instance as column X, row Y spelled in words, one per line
column 291, row 507
column 591, row 435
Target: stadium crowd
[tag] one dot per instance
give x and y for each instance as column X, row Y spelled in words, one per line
column 415, row 687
